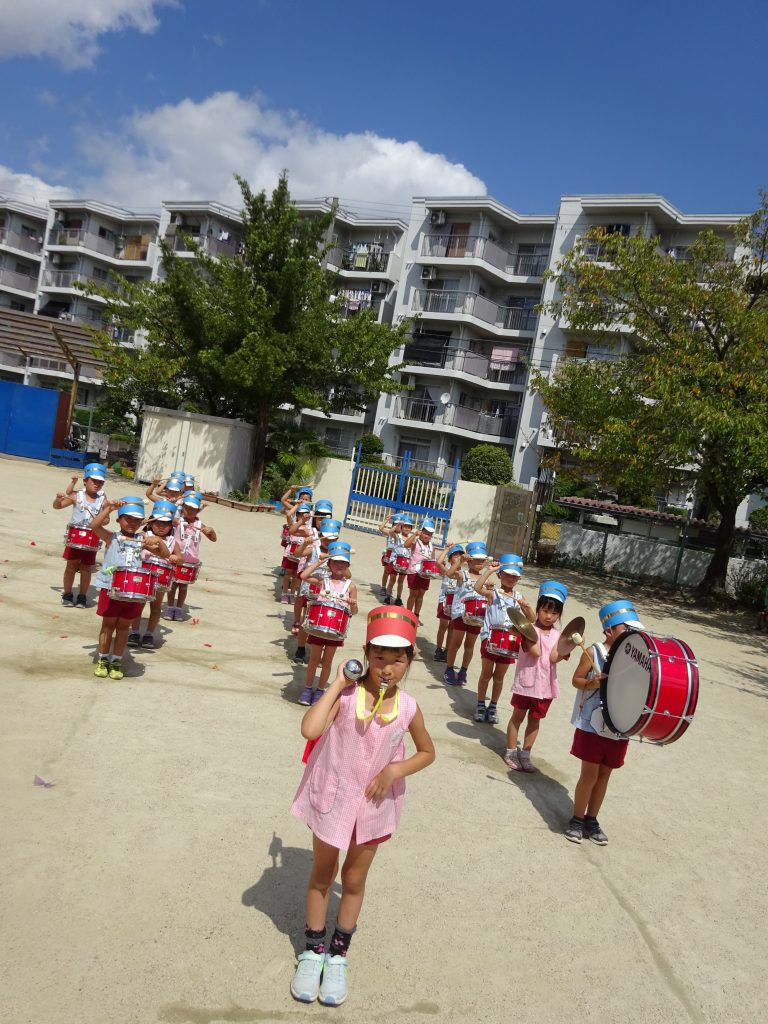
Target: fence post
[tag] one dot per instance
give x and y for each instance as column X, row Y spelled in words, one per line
column 681, row 550
column 355, row 469
column 451, row 496
column 403, row 478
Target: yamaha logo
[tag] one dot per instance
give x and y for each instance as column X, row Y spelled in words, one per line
column 627, row 647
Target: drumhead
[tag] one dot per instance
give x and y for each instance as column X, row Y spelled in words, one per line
column 625, row 692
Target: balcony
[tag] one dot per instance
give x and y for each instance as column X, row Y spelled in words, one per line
column 458, row 247
column 66, row 279
column 27, row 243
column 20, row 282
column 464, row 303
column 457, row 360
column 216, row 247
column 425, row 412
column 131, row 248
column 359, row 261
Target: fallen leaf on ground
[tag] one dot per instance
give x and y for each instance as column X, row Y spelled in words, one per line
column 215, row 668
column 63, row 636
column 195, row 622
column 41, row 782
column 207, row 645
column 33, row 543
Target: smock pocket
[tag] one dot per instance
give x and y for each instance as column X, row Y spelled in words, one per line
column 323, row 787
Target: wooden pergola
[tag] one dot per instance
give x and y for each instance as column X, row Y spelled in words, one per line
column 40, row 336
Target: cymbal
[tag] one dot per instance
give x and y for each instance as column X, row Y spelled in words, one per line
column 565, row 643
column 522, row 624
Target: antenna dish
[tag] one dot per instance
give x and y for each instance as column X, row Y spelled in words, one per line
column 445, row 398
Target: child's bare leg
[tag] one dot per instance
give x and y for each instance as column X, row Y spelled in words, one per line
column 441, row 631
column 418, row 601
column 518, row 714
column 597, row 795
column 499, row 673
column 411, row 602
column 314, row 660
column 354, row 873
column 384, row 577
column 121, row 636
column 70, row 571
column 155, row 610
column 585, row 785
column 86, row 571
column 531, row 732
column 325, row 864
column 181, row 595
column 105, row 636
column 172, row 595
column 400, row 582
column 470, row 639
column 455, row 636
column 325, row 671
column 486, row 671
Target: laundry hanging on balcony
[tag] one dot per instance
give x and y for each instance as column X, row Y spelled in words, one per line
column 501, row 355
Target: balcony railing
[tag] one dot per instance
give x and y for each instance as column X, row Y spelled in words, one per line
column 424, row 410
column 29, row 243
column 132, row 248
column 481, row 248
column 420, row 409
column 464, row 361
column 210, row 245
column 507, row 318
column 359, row 261
column 22, row 282
column 67, row 279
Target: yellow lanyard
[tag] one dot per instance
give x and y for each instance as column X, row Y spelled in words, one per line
column 360, row 706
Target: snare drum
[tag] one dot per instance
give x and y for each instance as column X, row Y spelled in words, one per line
column 133, row 584
column 326, row 619
column 651, row 688
column 162, row 569
column 81, row 538
column 503, row 643
column 284, row 535
column 474, row 611
column 400, row 560
column 292, row 547
column 187, row 572
column 448, row 600
column 429, row 569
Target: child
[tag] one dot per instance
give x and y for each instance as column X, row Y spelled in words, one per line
column 312, row 552
column 510, row 569
column 420, row 547
column 466, row 575
column 166, row 493
column 299, row 532
column 535, row 685
column 160, row 525
column 86, row 505
column 450, row 558
column 406, row 526
column 123, row 549
column 188, row 532
column 598, row 749
column 288, row 507
column 390, row 528
column 338, row 586
column 352, row 791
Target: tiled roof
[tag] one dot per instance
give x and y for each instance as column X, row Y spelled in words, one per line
column 635, row 512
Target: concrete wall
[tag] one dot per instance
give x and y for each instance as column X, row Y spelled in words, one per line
column 333, row 479
column 217, row 451
column 472, row 510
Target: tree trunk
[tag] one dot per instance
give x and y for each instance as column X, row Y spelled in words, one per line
column 713, row 583
column 259, row 452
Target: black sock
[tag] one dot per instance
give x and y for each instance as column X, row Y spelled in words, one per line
column 340, row 941
column 589, row 817
column 300, row 652
column 315, row 940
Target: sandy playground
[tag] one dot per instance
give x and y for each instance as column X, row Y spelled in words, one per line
column 161, row 878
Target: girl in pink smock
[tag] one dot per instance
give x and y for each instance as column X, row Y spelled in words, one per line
column 351, row 794
column 188, row 532
column 535, row 685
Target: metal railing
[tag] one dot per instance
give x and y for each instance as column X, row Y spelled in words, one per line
column 209, row 245
column 17, row 240
column 118, row 247
column 508, row 318
column 22, row 282
column 423, row 410
column 481, row 248
column 464, row 361
column 359, row 261
column 67, row 278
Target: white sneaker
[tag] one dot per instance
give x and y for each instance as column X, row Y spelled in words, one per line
column 333, row 988
column 306, row 980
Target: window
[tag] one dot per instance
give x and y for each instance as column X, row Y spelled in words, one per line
column 18, row 306
column 419, row 451
column 106, row 233
column 23, row 268
column 99, row 274
column 618, row 229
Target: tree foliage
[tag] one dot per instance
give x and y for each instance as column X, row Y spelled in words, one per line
column 245, row 336
column 487, row 464
column 687, row 389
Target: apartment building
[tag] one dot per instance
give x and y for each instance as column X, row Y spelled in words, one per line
column 366, row 255
column 471, row 279
column 22, row 238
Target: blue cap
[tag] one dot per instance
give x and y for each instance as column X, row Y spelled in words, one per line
column 405, row 519
column 343, row 544
column 189, row 480
column 428, row 525
column 329, row 528
column 457, row 549
column 477, row 549
column 165, row 511
column 95, row 471
column 511, row 564
column 132, row 499
column 194, row 499
column 617, row 612
column 175, row 483
column 135, row 511
column 178, row 474
column 338, row 551
column 324, row 507
column 554, row 590
column 303, row 507
column 304, row 492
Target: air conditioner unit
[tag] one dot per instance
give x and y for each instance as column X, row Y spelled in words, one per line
column 376, row 287
column 437, row 219
column 428, row 273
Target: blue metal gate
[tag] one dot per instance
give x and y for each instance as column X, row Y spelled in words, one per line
column 378, row 491
column 27, row 419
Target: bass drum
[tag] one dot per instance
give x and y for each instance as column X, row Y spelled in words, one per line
column 651, row 687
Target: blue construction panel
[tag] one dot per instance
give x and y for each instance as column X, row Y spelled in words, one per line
column 27, row 419
column 66, row 458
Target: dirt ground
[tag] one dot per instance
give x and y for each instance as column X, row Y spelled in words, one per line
column 161, row 877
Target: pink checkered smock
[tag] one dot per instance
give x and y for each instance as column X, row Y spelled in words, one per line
column 537, row 677
column 331, row 795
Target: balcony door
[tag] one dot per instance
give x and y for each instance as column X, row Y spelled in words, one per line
column 458, row 241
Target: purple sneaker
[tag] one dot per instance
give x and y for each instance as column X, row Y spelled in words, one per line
column 461, row 678
column 305, row 697
column 450, row 677
column 317, row 694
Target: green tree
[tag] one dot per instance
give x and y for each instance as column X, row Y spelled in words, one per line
column 689, row 388
column 487, row 464
column 371, row 449
column 248, row 335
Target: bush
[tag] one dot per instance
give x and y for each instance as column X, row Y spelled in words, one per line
column 371, row 449
column 759, row 519
column 487, row 464
column 675, row 510
column 750, row 584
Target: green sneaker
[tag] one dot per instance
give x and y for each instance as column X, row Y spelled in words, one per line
column 102, row 668
column 115, row 670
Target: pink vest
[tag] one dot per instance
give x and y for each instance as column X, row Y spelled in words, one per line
column 188, row 539
column 331, row 795
column 537, row 677
column 419, row 552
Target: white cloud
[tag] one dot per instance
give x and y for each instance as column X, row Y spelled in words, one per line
column 68, row 30
column 191, row 150
column 29, row 189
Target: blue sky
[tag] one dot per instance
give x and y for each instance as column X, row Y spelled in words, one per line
column 140, row 100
